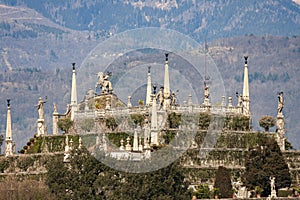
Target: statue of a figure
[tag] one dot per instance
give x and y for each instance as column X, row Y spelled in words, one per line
column 54, row 108
column 160, row 97
column 280, row 103
column 173, row 99
column 40, row 107
column 206, row 92
column 272, row 183
column 104, row 83
column 240, row 100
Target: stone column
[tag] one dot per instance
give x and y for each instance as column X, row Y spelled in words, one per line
column 190, row 103
column 280, row 131
column 246, row 97
column 280, row 123
column 73, row 93
column 8, row 138
column 149, row 87
column 166, row 85
column 135, row 141
column 55, row 120
column 154, row 128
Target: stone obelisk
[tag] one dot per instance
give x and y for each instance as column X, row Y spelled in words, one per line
column 8, row 139
column 154, row 128
column 55, row 116
column 245, row 97
column 149, row 87
column 73, row 94
column 166, row 104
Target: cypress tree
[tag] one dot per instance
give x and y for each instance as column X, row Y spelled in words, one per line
column 223, row 182
column 265, row 161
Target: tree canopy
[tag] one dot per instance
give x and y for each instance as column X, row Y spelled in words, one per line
column 265, row 161
column 86, row 178
column 267, row 122
column 223, row 182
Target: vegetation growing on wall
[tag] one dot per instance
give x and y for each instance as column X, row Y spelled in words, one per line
column 174, row 120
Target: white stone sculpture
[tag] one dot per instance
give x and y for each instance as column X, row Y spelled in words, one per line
column 104, row 83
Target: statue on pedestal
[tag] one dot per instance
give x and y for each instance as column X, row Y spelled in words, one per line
column 40, row 107
column 280, row 103
column 272, row 183
column 104, row 83
column 173, row 99
column 160, row 97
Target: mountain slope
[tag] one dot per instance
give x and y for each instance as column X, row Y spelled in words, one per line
column 213, row 19
column 36, row 53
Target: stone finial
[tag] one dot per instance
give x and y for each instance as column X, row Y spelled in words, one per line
column 128, row 146
column 223, row 102
column 246, row 59
column 229, row 101
column 154, row 88
column 80, row 143
column 129, row 102
column 107, row 107
column 8, row 140
column 148, row 92
column 121, row 145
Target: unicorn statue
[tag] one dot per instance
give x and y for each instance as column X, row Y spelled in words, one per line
column 104, row 83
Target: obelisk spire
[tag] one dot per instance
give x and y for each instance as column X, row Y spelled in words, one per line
column 74, row 93
column 166, row 84
column 246, row 98
column 8, row 139
column 149, row 87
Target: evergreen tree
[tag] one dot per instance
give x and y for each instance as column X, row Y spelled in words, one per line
column 265, row 161
column 223, row 182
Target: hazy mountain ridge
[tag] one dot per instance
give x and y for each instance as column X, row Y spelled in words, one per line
column 213, row 19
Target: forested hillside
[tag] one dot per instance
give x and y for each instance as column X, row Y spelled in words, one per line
column 40, row 40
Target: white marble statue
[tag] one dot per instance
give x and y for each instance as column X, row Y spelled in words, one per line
column 104, row 83
column 173, row 99
column 280, row 103
column 272, row 184
column 40, row 107
column 160, row 97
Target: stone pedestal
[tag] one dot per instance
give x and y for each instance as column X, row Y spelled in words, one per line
column 54, row 121
column 154, row 137
column 273, row 194
column 280, row 131
column 40, row 127
column 135, row 141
